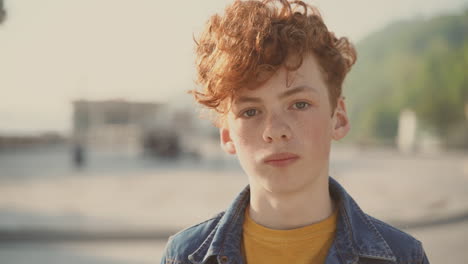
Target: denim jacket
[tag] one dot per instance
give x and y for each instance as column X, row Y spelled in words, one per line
column 359, row 237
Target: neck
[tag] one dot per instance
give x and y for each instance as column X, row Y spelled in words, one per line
column 292, row 210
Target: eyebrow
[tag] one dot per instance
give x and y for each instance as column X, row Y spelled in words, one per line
column 295, row 90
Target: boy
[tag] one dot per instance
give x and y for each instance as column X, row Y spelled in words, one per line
column 273, row 73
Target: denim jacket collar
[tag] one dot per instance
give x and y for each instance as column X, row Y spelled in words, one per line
column 356, row 235
column 226, row 237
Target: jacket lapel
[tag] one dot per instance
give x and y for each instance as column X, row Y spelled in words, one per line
column 356, row 235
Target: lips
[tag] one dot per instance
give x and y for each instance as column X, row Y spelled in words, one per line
column 281, row 159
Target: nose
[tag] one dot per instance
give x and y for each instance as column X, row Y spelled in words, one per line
column 276, row 129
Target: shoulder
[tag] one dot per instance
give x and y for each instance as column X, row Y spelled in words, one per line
column 186, row 241
column 406, row 248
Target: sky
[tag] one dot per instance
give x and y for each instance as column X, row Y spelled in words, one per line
column 55, row 51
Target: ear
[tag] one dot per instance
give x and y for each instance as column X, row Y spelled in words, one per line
column 226, row 141
column 340, row 120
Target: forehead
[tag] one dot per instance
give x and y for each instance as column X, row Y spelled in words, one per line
column 308, row 77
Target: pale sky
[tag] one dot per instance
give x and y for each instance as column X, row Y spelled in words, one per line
column 55, row 51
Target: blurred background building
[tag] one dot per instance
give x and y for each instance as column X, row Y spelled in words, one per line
column 115, row 124
column 135, row 127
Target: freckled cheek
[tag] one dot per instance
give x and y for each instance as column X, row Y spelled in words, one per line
column 246, row 136
column 315, row 133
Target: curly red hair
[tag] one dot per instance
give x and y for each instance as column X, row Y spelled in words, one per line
column 253, row 39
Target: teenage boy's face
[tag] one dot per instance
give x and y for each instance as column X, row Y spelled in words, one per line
column 282, row 131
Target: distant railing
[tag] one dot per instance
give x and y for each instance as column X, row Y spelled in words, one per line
column 73, row 236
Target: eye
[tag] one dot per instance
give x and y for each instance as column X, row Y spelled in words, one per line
column 249, row 113
column 301, row 105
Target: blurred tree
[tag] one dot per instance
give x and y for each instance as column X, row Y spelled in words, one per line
column 2, row 12
column 417, row 64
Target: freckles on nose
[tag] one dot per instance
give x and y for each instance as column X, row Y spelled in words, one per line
column 277, row 130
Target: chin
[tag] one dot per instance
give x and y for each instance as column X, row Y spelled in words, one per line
column 282, row 184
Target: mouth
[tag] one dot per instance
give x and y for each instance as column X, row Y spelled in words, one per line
column 281, row 159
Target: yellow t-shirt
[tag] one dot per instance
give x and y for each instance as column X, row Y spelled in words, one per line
column 309, row 244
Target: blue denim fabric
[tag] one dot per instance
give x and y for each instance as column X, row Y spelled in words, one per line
column 359, row 238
